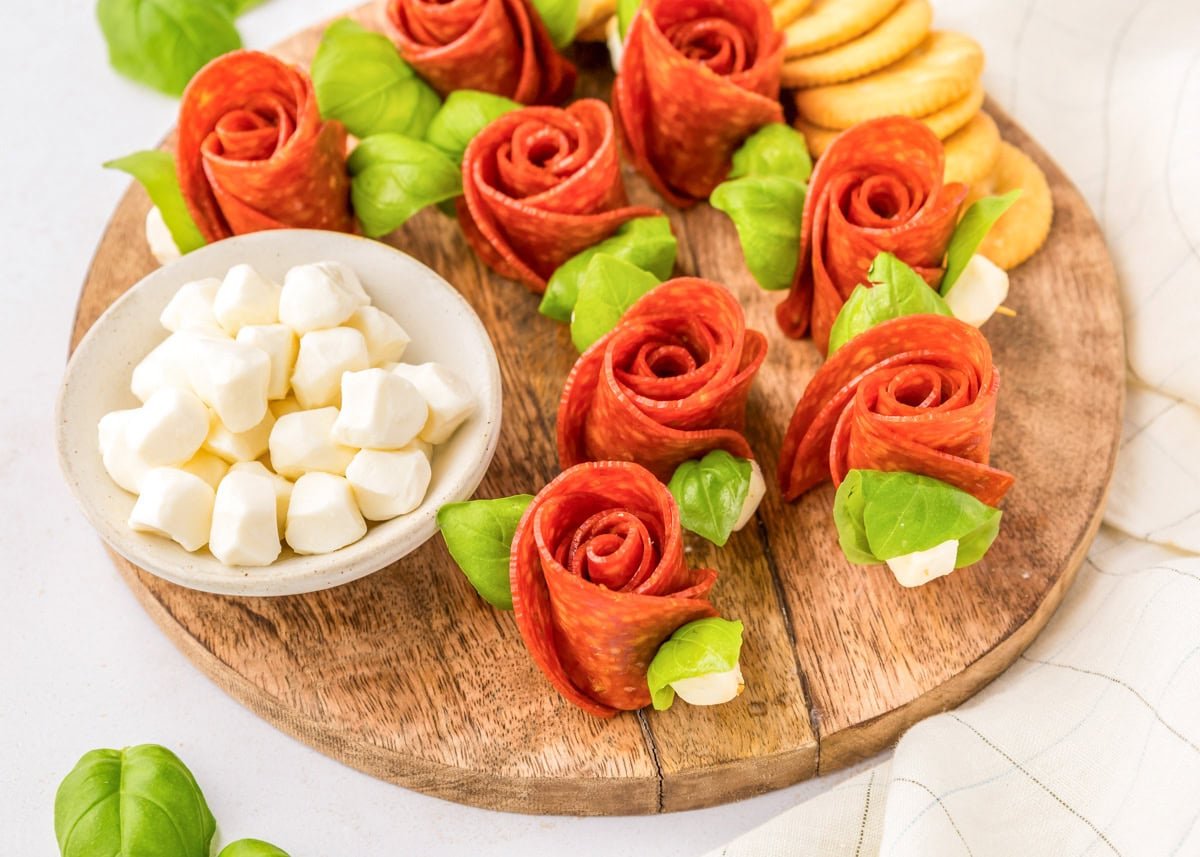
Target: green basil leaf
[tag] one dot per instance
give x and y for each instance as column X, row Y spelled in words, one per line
column 464, row 114
column 155, row 170
column 626, row 9
column 900, row 513
column 710, row 493
column 698, row 648
column 609, row 286
column 970, row 232
column 361, row 80
column 479, row 536
column 559, row 16
column 251, row 848
column 240, row 7
column 849, row 504
column 141, row 800
column 898, row 291
column 162, row 43
column 646, row 242
column 773, row 150
column 767, row 212
column 393, row 177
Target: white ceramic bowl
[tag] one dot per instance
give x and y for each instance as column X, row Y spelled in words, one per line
column 443, row 327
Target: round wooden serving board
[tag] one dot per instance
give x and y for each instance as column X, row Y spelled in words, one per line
column 409, row 676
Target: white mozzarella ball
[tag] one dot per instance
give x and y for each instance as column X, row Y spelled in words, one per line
column 449, row 397
column 242, row 445
column 324, row 355
column 244, row 526
column 303, row 441
column 380, row 410
column 316, row 297
column 207, row 466
column 918, row 567
column 386, row 339
column 245, row 297
column 166, row 365
column 121, row 461
column 159, row 238
column 175, row 504
column 423, row 446
column 979, row 290
column 279, row 343
column 389, row 483
column 281, row 487
column 754, row 496
column 343, row 275
column 169, row 428
column 711, row 689
column 323, row 516
column 191, row 308
column 232, row 379
column 282, row 407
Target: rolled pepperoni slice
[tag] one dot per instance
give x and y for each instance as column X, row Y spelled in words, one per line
column 253, row 152
column 697, row 78
column 667, row 384
column 878, row 188
column 540, row 185
column 914, row 394
column 599, row 581
column 497, row 46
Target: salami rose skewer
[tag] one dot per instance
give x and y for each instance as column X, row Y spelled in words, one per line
column 915, row 394
column 697, row 78
column 253, row 152
column 878, row 188
column 498, row 46
column 667, row 384
column 599, row 581
column 540, row 185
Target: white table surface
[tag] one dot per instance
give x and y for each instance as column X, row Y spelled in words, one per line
column 84, row 666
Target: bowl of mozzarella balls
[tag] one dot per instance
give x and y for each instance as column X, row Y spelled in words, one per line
column 278, row 413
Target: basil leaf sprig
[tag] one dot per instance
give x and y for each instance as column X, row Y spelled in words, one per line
column 464, row 114
column 609, row 286
column 646, row 242
column 479, row 536
column 141, row 800
column 970, row 232
column 896, row 290
column 251, row 848
column 361, row 80
column 764, row 197
column 393, row 177
column 155, row 170
column 162, row 43
column 700, row 648
column 711, row 493
column 559, row 16
column 881, row 516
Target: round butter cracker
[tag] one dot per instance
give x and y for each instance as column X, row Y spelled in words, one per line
column 972, row 150
column 1021, row 230
column 591, row 17
column 940, row 71
column 890, row 40
column 828, row 23
column 785, row 11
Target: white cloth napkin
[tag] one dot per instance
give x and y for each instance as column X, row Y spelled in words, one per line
column 1090, row 743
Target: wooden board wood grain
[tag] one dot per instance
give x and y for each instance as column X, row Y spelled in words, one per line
column 409, row 676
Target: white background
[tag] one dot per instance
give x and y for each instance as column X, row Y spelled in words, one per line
column 83, row 666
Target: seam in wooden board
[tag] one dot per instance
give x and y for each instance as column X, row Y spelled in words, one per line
column 652, row 746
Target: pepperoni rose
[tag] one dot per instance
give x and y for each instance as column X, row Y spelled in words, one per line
column 253, row 152
column 498, row 46
column 667, row 384
column 599, row 581
column 914, row 394
column 697, row 78
column 878, row 188
column 540, row 185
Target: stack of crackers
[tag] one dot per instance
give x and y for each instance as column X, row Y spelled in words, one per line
column 853, row 60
